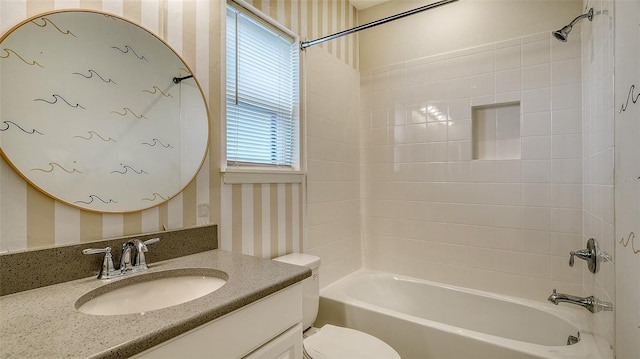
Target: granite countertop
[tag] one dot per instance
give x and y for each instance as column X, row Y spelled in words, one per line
column 43, row 322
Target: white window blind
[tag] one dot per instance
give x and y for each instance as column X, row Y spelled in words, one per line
column 262, row 93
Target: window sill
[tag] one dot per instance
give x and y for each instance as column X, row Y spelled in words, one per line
column 248, row 176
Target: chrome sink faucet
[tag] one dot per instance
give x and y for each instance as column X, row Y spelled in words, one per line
column 591, row 303
column 129, row 262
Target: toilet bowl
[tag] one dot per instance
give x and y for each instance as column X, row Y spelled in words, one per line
column 330, row 341
column 339, row 342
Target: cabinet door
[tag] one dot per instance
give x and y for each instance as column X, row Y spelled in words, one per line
column 237, row 333
column 287, row 345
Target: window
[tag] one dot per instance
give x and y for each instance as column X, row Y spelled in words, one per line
column 262, row 92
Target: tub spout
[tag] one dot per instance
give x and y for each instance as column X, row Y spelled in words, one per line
column 591, row 303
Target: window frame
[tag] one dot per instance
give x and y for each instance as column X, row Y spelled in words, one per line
column 257, row 172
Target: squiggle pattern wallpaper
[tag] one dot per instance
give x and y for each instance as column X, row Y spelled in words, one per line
column 91, row 115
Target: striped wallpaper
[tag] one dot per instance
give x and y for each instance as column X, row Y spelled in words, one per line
column 265, row 220
column 311, row 19
column 259, row 219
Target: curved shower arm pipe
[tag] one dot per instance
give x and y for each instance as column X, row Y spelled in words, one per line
column 588, row 15
column 305, row 44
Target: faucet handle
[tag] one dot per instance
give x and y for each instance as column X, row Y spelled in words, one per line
column 141, row 247
column 592, row 255
column 585, row 254
column 107, row 270
column 97, row 250
column 152, row 241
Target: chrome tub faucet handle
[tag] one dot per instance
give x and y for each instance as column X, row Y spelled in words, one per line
column 582, row 254
column 592, row 255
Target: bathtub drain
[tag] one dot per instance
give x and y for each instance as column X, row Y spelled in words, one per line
column 573, row 340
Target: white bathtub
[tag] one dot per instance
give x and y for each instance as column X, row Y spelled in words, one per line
column 425, row 320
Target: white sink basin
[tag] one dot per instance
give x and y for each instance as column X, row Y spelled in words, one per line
column 151, row 291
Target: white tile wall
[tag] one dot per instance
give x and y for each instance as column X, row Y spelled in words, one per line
column 430, row 211
column 333, row 155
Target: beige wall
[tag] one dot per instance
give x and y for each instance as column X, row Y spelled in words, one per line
column 455, row 26
column 627, row 178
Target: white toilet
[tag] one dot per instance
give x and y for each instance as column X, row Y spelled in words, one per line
column 331, row 341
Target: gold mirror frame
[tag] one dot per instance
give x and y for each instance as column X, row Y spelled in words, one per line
column 99, row 113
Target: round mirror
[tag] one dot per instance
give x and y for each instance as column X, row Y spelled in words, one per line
column 98, row 112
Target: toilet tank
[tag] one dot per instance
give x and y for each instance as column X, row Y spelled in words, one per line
column 310, row 286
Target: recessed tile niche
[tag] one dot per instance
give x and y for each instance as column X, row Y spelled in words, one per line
column 496, row 131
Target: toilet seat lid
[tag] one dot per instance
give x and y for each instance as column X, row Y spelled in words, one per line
column 337, row 342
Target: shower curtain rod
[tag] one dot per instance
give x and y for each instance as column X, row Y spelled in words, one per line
column 305, row 44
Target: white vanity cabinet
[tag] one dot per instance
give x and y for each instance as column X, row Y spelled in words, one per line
column 287, row 345
column 268, row 328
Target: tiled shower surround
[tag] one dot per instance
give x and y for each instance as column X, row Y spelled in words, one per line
column 431, row 211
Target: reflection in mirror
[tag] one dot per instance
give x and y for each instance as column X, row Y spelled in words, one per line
column 91, row 114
